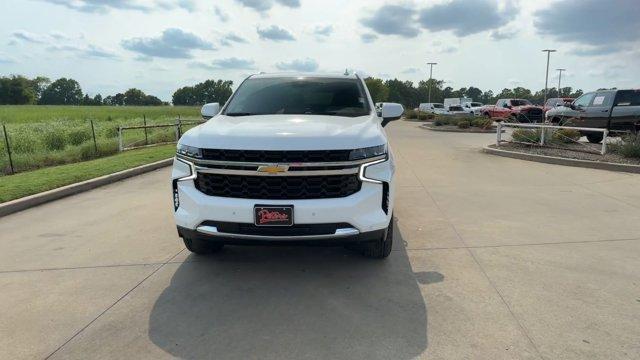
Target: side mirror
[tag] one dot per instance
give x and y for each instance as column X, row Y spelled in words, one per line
column 390, row 112
column 210, row 110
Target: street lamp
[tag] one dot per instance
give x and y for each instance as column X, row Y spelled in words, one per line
column 546, row 79
column 430, row 74
column 560, row 80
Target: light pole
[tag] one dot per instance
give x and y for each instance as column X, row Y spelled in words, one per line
column 560, row 80
column 546, row 79
column 430, row 74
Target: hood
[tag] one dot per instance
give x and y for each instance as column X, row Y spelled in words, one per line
column 286, row 132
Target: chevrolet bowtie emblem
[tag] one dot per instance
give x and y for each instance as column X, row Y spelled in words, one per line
column 273, row 169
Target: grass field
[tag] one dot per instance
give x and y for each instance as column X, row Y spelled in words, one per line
column 20, row 114
column 42, row 136
column 32, row 182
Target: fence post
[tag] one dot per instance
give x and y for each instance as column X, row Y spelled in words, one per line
column 119, row 138
column 543, row 131
column 604, row 142
column 93, row 132
column 6, row 142
column 499, row 134
column 146, row 138
column 177, row 129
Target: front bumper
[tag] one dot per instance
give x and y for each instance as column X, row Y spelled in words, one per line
column 363, row 210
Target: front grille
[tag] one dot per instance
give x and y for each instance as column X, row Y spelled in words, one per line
column 275, row 156
column 294, row 230
column 278, row 187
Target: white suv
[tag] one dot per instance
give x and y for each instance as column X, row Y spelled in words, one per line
column 289, row 158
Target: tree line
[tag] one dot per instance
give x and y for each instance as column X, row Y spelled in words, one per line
column 20, row 90
column 409, row 95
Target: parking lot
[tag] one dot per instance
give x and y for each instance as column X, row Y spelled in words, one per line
column 494, row 258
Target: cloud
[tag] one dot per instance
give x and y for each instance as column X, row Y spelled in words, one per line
column 25, row 36
column 230, row 38
column 597, row 50
column 301, row 65
column 591, row 23
column 466, row 17
column 323, row 30
column 393, row 20
column 6, row 60
column 368, row 38
column 172, row 44
column 448, row 50
column 89, row 51
column 265, row 5
column 223, row 16
column 275, row 33
column 411, row 70
column 231, row 63
column 104, row 6
column 503, row 34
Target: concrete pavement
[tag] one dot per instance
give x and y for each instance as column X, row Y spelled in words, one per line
column 495, row 258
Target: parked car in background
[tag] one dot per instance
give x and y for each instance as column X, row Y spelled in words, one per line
column 474, row 108
column 518, row 110
column 615, row 110
column 456, row 101
column 432, row 108
column 457, row 110
column 555, row 102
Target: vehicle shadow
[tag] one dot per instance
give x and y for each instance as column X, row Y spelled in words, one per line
column 291, row 302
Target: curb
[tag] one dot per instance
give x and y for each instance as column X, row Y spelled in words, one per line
column 433, row 128
column 564, row 161
column 30, row 201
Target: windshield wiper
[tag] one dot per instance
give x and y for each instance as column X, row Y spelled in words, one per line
column 240, row 114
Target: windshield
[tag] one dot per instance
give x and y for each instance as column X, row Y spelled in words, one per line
column 288, row 95
column 520, row 102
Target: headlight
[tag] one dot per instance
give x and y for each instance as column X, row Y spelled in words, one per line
column 189, row 151
column 368, row 152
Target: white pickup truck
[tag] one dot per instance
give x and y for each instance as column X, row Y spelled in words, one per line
column 290, row 158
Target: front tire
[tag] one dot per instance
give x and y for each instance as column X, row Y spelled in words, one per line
column 201, row 247
column 595, row 138
column 381, row 248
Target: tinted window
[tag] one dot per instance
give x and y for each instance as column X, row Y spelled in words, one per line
column 603, row 99
column 628, row 98
column 520, row 102
column 320, row 96
column 438, row 106
column 584, row 100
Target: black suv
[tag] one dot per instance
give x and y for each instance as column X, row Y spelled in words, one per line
column 615, row 110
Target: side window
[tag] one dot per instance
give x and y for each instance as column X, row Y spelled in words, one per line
column 603, row 99
column 584, row 100
column 628, row 98
column 500, row 103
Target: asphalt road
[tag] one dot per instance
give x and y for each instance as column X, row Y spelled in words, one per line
column 494, row 258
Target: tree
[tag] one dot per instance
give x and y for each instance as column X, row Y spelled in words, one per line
column 377, row 89
column 185, row 96
column 16, row 90
column 62, row 92
column 205, row 92
column 403, row 92
column 151, row 100
column 474, row 93
column 134, row 96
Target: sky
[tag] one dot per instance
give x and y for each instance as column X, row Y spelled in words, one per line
column 161, row 45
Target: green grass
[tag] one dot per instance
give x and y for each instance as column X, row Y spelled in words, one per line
column 42, row 136
column 33, row 182
column 21, row 114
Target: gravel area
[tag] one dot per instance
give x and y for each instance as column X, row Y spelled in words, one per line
column 579, row 152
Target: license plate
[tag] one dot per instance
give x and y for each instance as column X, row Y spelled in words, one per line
column 273, row 215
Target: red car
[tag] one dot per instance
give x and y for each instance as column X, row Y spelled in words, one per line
column 553, row 102
column 520, row 110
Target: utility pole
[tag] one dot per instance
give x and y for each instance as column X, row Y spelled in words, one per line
column 430, row 75
column 560, row 80
column 546, row 79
